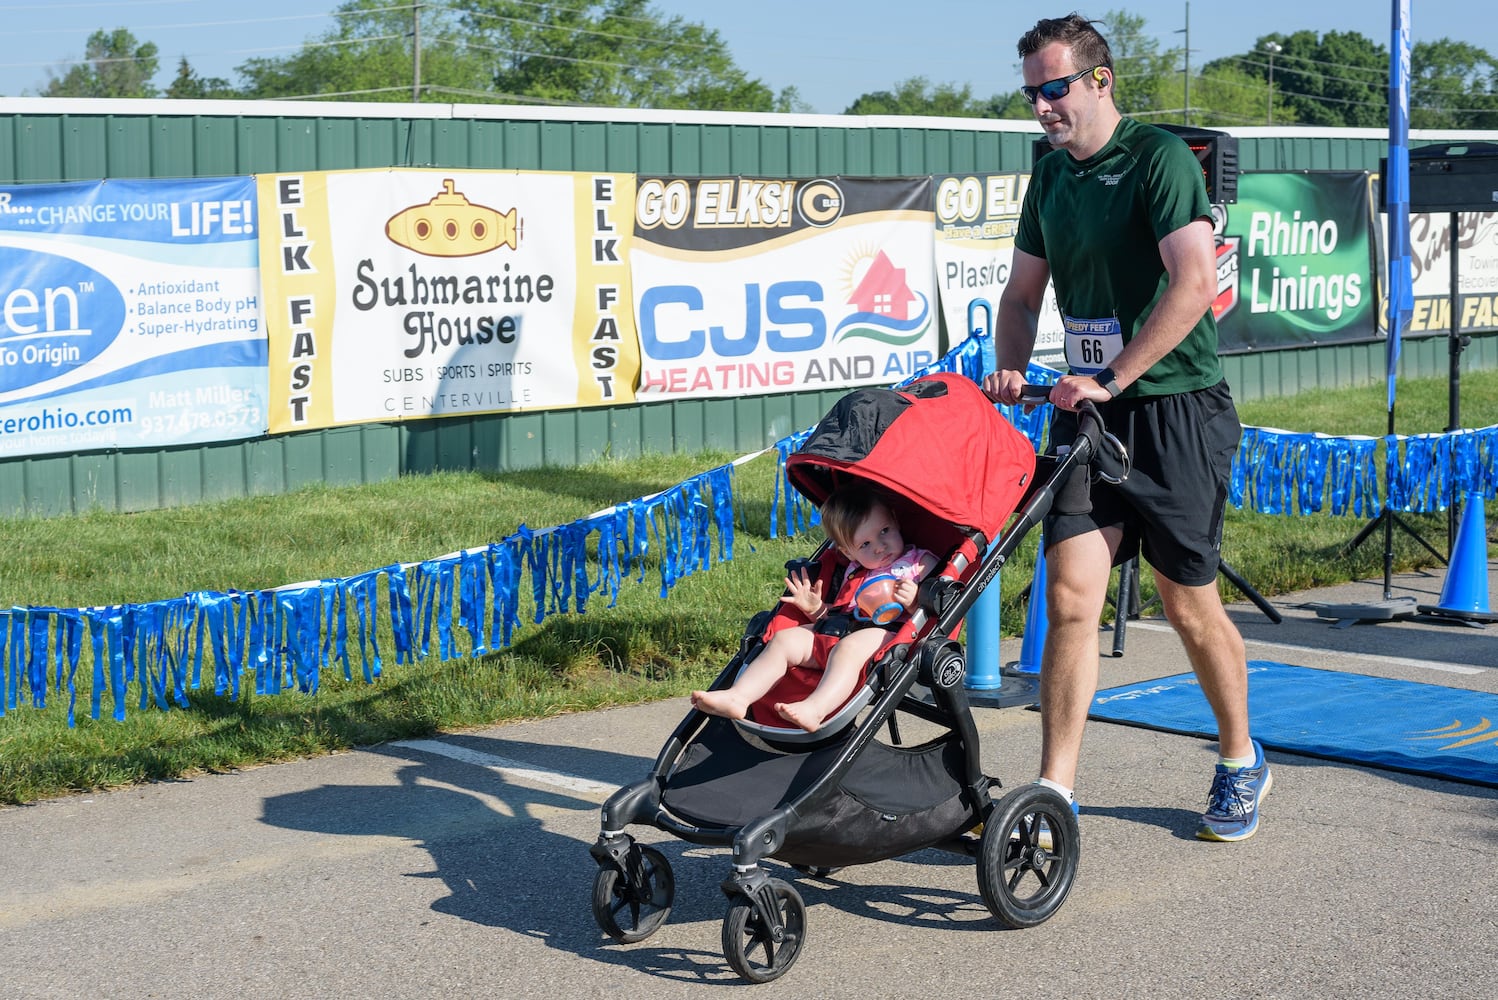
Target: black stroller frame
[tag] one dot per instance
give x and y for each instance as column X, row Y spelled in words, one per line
column 819, row 808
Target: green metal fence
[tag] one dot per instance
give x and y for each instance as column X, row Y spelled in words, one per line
column 46, row 140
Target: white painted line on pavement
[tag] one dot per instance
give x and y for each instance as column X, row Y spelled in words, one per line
column 1393, row 661
column 508, row 768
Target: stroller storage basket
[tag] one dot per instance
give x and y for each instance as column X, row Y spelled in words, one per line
column 892, row 800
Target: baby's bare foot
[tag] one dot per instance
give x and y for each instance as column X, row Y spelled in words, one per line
column 797, row 712
column 721, row 703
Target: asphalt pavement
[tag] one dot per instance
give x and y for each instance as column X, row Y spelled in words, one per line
column 458, row 867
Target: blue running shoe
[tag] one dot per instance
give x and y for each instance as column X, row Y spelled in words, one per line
column 1233, row 803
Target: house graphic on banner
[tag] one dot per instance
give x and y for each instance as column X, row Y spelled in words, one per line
column 883, row 291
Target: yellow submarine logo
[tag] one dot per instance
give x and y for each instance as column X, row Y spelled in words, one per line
column 451, row 226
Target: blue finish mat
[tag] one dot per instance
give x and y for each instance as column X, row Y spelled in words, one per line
column 1398, row 725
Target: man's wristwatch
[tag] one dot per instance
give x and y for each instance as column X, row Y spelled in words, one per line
column 1109, row 381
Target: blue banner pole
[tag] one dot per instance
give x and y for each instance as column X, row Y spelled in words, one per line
column 983, row 673
column 985, row 681
column 1397, row 192
column 1397, row 204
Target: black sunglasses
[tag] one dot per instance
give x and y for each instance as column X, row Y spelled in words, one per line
column 1054, row 90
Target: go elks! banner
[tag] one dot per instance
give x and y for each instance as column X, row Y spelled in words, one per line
column 399, row 294
column 977, row 216
column 747, row 286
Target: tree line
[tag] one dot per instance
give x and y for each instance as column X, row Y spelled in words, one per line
column 622, row 53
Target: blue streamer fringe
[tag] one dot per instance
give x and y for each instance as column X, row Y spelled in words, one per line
column 472, row 600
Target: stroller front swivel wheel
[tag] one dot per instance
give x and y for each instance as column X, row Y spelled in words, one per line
column 1028, row 856
column 749, row 942
column 632, row 905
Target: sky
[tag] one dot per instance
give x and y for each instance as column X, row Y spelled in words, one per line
column 829, row 54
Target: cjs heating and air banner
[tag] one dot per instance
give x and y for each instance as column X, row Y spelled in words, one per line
column 755, row 285
column 401, row 294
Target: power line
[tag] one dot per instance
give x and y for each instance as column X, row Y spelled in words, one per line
column 341, row 94
column 182, row 25
column 497, row 96
column 119, row 60
column 141, row 30
column 550, row 26
column 406, row 7
column 52, row 8
column 465, row 43
column 1283, row 57
column 581, row 8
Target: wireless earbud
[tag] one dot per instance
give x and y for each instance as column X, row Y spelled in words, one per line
column 1099, row 76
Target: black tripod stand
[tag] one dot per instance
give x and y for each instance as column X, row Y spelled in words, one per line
column 1389, row 520
column 1390, row 606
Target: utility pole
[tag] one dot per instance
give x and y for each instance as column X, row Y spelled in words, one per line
column 1188, row 62
column 1187, row 31
column 1274, row 49
column 416, row 53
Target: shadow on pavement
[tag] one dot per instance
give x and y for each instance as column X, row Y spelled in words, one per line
column 496, row 851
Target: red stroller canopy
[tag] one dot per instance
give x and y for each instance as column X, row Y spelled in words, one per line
column 939, row 443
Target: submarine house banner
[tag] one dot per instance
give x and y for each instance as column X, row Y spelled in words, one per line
column 399, row 294
column 131, row 315
column 754, row 285
column 977, row 216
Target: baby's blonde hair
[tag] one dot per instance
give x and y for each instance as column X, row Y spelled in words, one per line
column 848, row 507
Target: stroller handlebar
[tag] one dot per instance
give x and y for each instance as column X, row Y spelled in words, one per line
column 1032, row 393
column 1090, row 426
column 1094, row 444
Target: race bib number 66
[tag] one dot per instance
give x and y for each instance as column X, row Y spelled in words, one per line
column 1091, row 344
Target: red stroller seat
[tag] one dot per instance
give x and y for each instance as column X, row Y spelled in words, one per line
column 955, row 470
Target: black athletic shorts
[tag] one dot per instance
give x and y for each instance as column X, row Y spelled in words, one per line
column 1170, row 508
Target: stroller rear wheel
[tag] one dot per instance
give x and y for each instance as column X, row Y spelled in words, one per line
column 633, row 905
column 1028, row 856
column 749, row 942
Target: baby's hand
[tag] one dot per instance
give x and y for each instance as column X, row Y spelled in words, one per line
column 905, row 592
column 805, row 593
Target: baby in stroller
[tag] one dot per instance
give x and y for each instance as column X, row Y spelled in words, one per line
column 842, row 635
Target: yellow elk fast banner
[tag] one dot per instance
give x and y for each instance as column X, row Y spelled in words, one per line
column 400, row 294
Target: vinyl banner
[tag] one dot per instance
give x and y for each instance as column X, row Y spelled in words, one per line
column 747, row 286
column 131, row 315
column 1477, row 282
column 1294, row 262
column 976, row 219
column 399, row 294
